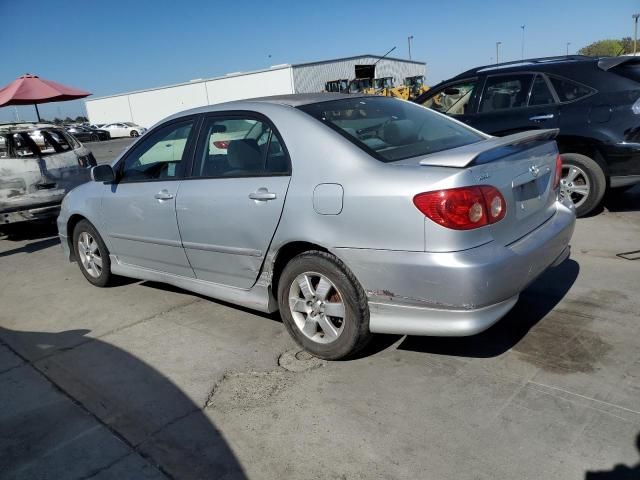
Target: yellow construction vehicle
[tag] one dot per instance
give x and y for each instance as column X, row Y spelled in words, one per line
column 416, row 86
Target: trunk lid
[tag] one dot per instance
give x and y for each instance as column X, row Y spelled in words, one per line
column 521, row 166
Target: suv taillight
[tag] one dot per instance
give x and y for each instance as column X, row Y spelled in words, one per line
column 558, row 174
column 463, row 208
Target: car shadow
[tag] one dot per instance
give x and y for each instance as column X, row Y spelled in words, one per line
column 137, row 403
column 619, row 472
column 623, row 200
column 534, row 304
column 32, row 247
column 28, row 231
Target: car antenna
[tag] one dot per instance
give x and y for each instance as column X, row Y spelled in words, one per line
column 384, row 56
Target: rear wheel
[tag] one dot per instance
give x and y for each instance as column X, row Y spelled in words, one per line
column 94, row 138
column 583, row 182
column 134, row 133
column 323, row 306
column 91, row 254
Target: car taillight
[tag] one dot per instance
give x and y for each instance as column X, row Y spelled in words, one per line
column 463, row 208
column 221, row 144
column 558, row 174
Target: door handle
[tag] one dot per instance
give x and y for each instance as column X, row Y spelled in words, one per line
column 163, row 195
column 262, row 194
column 540, row 118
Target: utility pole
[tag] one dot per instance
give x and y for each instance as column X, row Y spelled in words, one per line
column 409, row 40
column 635, row 31
column 522, row 53
column 498, row 52
column 568, row 43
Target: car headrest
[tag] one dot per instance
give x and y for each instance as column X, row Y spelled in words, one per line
column 400, row 132
column 500, row 101
column 244, row 154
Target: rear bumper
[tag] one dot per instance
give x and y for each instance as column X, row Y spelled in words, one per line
column 29, row 214
column 456, row 293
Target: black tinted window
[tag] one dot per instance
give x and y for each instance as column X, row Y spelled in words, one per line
column 540, row 93
column 239, row 147
column 505, row 91
column 160, row 155
column 391, row 129
column 568, row 90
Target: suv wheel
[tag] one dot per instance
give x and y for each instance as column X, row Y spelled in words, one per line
column 583, row 182
column 323, row 306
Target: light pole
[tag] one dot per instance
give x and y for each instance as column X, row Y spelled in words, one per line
column 409, row 40
column 635, row 30
column 498, row 52
column 522, row 53
column 568, row 43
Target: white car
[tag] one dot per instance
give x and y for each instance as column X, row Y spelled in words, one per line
column 124, row 129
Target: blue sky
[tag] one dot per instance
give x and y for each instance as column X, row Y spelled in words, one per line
column 112, row 46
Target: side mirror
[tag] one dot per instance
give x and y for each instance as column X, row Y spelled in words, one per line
column 452, row 91
column 103, row 173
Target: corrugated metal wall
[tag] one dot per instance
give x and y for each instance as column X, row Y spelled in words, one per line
column 312, row 77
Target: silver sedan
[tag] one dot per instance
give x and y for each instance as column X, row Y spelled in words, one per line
column 349, row 214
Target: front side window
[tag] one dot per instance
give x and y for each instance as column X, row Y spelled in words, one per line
column 505, row 92
column 452, row 99
column 391, row 129
column 568, row 91
column 160, row 156
column 239, row 147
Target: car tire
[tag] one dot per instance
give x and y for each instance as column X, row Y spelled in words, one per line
column 582, row 174
column 334, row 289
column 94, row 138
column 134, row 133
column 91, row 254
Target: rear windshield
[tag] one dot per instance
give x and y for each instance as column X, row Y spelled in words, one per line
column 391, row 129
column 35, row 143
column 628, row 70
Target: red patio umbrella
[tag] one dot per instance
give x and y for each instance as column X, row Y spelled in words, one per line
column 31, row 90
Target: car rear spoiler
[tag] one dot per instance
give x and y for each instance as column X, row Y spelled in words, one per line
column 489, row 150
column 608, row 63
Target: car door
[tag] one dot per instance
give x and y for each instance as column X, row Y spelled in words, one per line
column 456, row 99
column 229, row 208
column 515, row 102
column 139, row 209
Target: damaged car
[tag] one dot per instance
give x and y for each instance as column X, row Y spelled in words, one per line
column 39, row 164
column 348, row 214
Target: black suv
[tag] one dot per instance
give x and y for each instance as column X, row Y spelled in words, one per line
column 595, row 102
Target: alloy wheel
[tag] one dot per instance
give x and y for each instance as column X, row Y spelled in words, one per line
column 574, row 184
column 317, row 307
column 89, row 254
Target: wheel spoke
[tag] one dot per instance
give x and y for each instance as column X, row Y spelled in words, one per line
column 305, row 286
column 323, row 288
column 93, row 246
column 97, row 261
column 571, row 176
column 310, row 327
column 330, row 331
column 298, row 305
column 334, row 309
column 581, row 190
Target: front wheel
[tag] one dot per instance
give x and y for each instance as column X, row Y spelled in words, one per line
column 134, row 133
column 323, row 306
column 92, row 254
column 583, row 182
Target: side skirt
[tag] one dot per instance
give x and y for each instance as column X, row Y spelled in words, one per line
column 257, row 297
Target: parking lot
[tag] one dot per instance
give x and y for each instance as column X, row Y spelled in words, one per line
column 149, row 381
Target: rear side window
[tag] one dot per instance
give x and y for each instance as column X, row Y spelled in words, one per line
column 505, row 91
column 390, row 129
column 568, row 91
column 540, row 93
column 239, row 147
column 630, row 71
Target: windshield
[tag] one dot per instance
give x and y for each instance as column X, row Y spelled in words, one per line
column 129, row 124
column 391, row 129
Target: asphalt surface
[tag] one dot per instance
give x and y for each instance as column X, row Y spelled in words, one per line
column 146, row 381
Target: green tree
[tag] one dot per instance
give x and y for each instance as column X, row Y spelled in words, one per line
column 80, row 119
column 57, row 121
column 603, row 48
column 627, row 45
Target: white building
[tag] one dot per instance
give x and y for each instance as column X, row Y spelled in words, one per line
column 146, row 107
